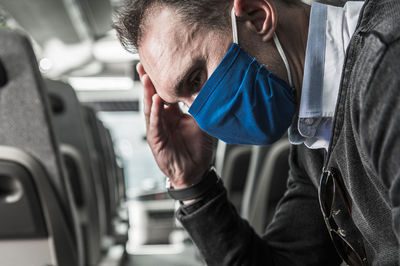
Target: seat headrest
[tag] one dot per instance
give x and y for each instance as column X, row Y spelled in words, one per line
column 3, row 75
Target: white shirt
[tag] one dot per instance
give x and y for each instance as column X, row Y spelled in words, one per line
column 329, row 34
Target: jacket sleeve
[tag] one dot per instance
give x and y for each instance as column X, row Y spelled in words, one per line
column 379, row 127
column 296, row 236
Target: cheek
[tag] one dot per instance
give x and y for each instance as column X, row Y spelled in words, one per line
column 212, row 66
column 216, row 58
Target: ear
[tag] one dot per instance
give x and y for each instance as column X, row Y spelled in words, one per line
column 259, row 16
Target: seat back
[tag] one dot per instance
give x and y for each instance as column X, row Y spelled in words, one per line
column 98, row 151
column 258, row 154
column 109, row 147
column 71, row 131
column 109, row 162
column 271, row 185
column 234, row 172
column 122, row 182
column 3, row 75
column 232, row 164
column 27, row 140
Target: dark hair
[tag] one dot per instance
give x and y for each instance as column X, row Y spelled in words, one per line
column 129, row 22
column 212, row 14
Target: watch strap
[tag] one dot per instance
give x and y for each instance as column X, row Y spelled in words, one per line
column 195, row 191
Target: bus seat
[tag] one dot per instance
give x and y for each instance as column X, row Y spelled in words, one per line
column 3, row 75
column 110, row 172
column 120, row 225
column 235, row 172
column 271, row 185
column 111, row 162
column 255, row 166
column 103, row 147
column 91, row 121
column 28, row 146
column 71, row 131
column 121, row 177
column 118, row 172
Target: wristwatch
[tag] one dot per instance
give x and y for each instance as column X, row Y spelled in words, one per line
column 195, row 191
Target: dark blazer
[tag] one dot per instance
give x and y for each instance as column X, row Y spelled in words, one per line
column 364, row 154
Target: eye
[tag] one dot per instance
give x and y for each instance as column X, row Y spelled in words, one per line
column 196, row 80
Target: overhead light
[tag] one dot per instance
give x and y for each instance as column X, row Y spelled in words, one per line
column 101, row 83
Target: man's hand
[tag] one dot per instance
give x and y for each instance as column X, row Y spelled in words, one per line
column 181, row 149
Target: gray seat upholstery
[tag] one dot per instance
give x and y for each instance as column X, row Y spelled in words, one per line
column 222, row 150
column 231, row 164
column 258, row 154
column 121, row 216
column 121, row 182
column 255, row 178
column 234, row 172
column 3, row 75
column 27, row 142
column 270, row 186
column 97, row 131
column 111, row 162
column 73, row 135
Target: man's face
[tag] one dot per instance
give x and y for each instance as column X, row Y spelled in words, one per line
column 179, row 58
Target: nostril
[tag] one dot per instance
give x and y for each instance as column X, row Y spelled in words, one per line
column 3, row 75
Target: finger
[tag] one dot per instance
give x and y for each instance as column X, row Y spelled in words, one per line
column 173, row 112
column 155, row 129
column 149, row 91
column 140, row 69
column 145, row 78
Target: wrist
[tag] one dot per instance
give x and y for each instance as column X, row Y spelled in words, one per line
column 190, row 193
column 185, row 184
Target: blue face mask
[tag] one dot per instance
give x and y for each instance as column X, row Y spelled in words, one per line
column 242, row 102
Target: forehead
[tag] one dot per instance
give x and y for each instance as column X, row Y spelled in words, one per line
column 168, row 46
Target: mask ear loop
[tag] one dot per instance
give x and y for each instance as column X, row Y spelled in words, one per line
column 285, row 61
column 276, row 41
column 234, row 27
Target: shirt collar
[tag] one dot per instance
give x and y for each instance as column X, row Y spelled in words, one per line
column 329, row 34
column 311, row 95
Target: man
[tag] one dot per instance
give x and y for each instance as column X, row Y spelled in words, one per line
column 343, row 196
